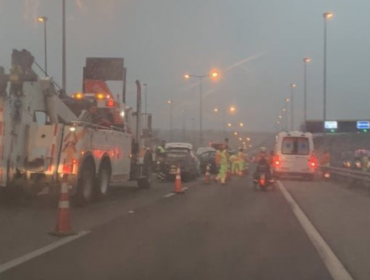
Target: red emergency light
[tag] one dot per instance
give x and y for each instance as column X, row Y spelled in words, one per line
column 110, row 103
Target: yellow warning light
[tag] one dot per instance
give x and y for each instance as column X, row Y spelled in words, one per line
column 78, row 95
column 101, row 96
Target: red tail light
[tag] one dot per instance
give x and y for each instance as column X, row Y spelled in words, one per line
column 276, row 160
column 312, row 162
column 262, row 180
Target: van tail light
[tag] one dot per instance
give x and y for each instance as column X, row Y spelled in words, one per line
column 277, row 160
column 312, row 162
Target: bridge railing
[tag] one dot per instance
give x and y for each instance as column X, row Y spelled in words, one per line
column 339, row 172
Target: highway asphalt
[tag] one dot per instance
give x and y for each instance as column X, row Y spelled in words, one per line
column 209, row 232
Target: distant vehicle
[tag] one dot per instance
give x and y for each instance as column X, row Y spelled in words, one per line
column 187, row 147
column 208, row 157
column 294, row 155
column 202, row 150
column 179, row 145
column 182, row 158
column 217, row 146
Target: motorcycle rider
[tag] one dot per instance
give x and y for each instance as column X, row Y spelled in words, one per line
column 263, row 164
column 262, row 154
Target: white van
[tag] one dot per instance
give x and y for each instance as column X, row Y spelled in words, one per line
column 294, row 155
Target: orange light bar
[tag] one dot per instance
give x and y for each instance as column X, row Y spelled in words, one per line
column 101, row 96
column 78, row 95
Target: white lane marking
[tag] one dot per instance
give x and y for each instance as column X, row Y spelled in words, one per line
column 331, row 261
column 18, row 261
column 172, row 194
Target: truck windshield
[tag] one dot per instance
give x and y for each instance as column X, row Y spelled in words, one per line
column 295, row 146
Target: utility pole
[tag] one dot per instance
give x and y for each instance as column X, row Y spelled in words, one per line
column 64, row 54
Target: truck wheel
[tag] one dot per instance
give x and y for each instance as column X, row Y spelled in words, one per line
column 85, row 188
column 103, row 186
column 146, row 182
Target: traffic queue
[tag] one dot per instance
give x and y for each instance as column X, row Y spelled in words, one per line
column 219, row 160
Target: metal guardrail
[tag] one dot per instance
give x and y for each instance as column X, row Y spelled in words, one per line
column 348, row 173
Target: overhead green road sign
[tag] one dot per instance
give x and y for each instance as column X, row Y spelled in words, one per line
column 338, row 126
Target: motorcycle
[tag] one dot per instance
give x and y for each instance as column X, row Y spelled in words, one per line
column 262, row 177
column 263, row 180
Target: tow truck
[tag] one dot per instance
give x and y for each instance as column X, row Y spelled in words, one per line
column 46, row 134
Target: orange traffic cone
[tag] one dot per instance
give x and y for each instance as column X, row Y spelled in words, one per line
column 207, row 177
column 178, row 183
column 63, row 227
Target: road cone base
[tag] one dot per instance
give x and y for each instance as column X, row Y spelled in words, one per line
column 62, row 233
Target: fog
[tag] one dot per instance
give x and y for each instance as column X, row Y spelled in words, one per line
column 257, row 45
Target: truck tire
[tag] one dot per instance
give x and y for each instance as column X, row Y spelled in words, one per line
column 103, row 186
column 85, row 188
column 146, row 182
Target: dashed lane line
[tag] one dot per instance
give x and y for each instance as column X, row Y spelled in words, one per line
column 172, row 194
column 18, row 261
column 331, row 261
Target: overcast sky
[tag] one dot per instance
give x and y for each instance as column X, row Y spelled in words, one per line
column 258, row 45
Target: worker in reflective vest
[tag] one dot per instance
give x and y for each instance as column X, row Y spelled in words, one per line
column 241, row 161
column 234, row 161
column 161, row 157
column 222, row 164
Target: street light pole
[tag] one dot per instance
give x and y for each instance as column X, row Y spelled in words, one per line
column 224, row 122
column 327, row 16
column 46, row 48
column 292, row 86
column 200, row 77
column 146, row 98
column 64, row 55
column 183, row 124
column 193, row 128
column 44, row 21
column 170, row 103
column 200, row 110
column 305, row 61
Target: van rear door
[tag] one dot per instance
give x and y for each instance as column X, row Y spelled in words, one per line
column 295, row 154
